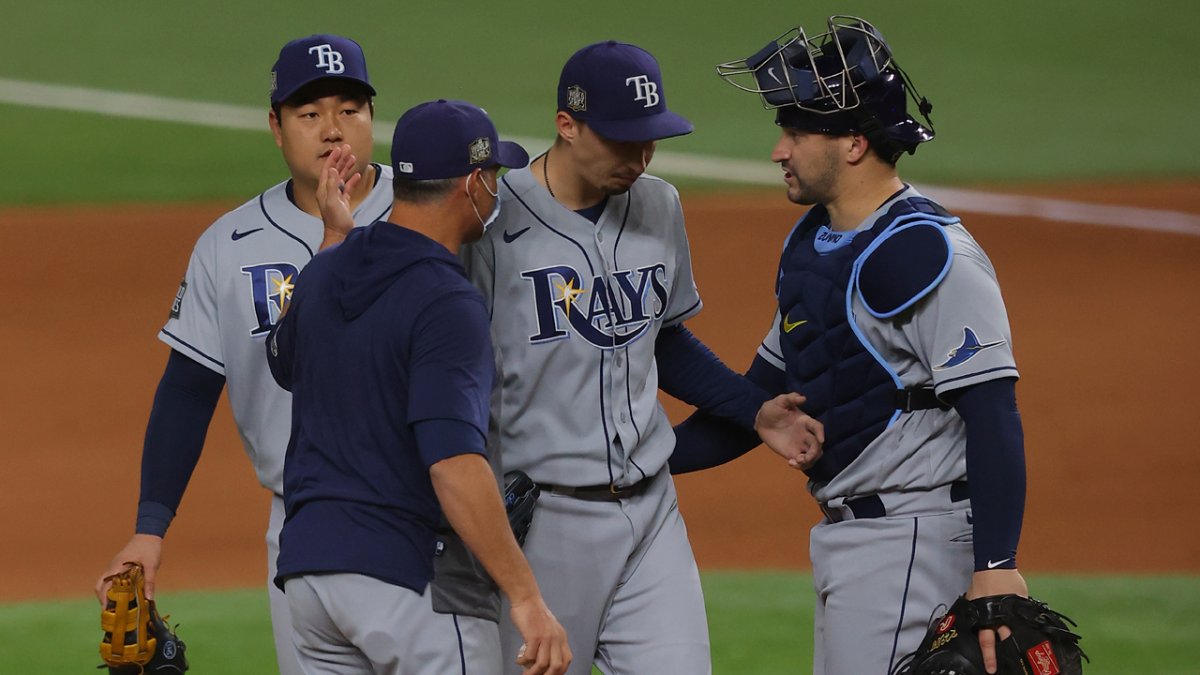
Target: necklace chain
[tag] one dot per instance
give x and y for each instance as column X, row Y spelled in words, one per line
column 546, row 173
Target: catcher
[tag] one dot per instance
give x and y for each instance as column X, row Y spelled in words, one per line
column 1034, row 640
column 136, row 639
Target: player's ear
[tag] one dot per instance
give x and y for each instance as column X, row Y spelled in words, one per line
column 276, row 129
column 568, row 128
column 858, row 148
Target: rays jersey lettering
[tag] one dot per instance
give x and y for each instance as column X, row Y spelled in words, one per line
column 607, row 314
column 271, row 286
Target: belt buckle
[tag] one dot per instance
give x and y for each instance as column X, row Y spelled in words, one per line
column 616, row 491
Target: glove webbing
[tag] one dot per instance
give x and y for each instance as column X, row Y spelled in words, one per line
column 127, row 596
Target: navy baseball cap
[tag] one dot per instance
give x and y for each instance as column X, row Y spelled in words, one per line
column 447, row 139
column 317, row 57
column 617, row 89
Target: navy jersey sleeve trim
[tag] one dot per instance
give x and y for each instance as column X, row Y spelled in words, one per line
column 183, row 406
column 995, row 469
column 191, row 347
column 671, row 321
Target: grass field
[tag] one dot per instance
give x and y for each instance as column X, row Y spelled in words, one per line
column 1021, row 90
column 761, row 625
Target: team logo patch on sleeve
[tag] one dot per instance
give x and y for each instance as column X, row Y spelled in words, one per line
column 178, row 303
column 967, row 350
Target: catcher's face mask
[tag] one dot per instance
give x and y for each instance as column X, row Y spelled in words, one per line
column 840, row 81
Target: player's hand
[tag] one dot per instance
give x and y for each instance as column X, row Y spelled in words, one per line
column 145, row 549
column 545, row 651
column 995, row 582
column 793, row 435
column 334, row 187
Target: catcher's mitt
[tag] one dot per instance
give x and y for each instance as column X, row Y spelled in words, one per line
column 1040, row 644
column 136, row 639
column 520, row 496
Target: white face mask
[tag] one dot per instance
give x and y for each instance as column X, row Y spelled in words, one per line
column 495, row 209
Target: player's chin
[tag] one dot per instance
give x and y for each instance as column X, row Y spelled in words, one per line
column 796, row 195
column 619, row 185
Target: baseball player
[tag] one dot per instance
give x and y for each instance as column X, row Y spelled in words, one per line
column 241, row 272
column 891, row 322
column 588, row 280
column 385, row 349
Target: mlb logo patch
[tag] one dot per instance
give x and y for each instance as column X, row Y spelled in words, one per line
column 576, row 98
column 480, row 150
column 1042, row 659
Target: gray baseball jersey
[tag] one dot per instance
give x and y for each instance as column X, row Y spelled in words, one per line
column 878, row 578
column 576, row 307
column 241, row 271
column 920, row 350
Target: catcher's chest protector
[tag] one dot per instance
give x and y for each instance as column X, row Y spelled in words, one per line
column 847, row 389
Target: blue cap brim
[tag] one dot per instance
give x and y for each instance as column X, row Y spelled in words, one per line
column 511, row 155
column 643, row 129
column 281, row 96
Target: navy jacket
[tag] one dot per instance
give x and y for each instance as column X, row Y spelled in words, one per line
column 384, row 335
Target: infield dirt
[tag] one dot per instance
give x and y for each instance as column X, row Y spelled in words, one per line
column 1104, row 325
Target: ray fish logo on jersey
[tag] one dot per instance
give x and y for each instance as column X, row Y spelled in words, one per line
column 271, row 286
column 967, row 350
column 603, row 315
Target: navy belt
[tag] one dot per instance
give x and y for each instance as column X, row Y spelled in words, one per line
column 921, row 398
column 872, row 506
column 598, row 493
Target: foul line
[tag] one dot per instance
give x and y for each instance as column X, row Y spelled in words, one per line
column 707, row 167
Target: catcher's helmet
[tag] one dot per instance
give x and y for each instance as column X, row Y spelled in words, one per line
column 837, row 82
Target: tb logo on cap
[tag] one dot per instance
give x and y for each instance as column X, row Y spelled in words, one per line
column 329, row 59
column 646, row 90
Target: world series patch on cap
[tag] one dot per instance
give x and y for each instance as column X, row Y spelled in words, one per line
column 446, row 139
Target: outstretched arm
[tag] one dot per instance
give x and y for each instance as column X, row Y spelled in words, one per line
column 183, row 406
column 704, row 440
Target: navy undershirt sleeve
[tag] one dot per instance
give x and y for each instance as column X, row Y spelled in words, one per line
column 183, row 406
column 689, row 371
column 995, row 469
column 446, row 438
column 703, row 441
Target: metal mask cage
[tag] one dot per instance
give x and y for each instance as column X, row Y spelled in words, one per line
column 822, row 74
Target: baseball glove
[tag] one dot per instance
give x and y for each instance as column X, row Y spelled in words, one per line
column 520, row 496
column 136, row 639
column 1040, row 644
